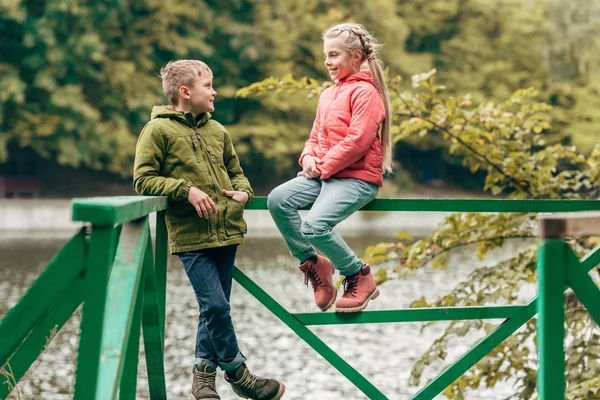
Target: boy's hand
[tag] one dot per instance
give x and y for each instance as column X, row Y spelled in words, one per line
column 202, row 202
column 242, row 197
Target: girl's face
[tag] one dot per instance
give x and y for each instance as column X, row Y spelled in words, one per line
column 339, row 62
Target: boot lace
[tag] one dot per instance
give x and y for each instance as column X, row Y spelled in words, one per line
column 311, row 275
column 248, row 380
column 205, row 379
column 350, row 284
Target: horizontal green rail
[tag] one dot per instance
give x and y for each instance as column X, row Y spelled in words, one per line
column 465, row 205
column 410, row 315
column 107, row 211
column 116, row 210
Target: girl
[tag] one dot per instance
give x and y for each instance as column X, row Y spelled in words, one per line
column 342, row 169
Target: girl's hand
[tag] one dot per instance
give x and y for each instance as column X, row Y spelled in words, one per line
column 242, row 197
column 309, row 167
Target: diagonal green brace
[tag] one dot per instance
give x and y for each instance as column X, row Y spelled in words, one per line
column 308, row 336
column 66, row 266
column 471, row 357
column 584, row 287
column 483, row 347
column 35, row 343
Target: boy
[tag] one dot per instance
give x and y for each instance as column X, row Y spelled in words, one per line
column 183, row 154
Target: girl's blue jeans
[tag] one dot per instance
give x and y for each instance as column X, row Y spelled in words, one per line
column 210, row 272
column 332, row 200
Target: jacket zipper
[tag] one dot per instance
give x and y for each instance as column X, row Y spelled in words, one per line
column 214, row 179
column 336, row 91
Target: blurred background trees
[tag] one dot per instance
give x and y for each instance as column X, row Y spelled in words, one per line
column 78, row 79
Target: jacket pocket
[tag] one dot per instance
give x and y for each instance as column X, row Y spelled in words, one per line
column 234, row 218
column 183, row 222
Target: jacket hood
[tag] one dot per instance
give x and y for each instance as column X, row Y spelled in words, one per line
column 185, row 118
column 364, row 75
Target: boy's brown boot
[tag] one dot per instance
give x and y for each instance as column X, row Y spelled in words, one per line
column 359, row 288
column 319, row 274
column 203, row 384
column 249, row 386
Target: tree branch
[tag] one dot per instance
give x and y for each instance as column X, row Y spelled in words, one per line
column 517, row 182
column 462, row 244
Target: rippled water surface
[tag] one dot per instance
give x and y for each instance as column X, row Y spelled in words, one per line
column 384, row 353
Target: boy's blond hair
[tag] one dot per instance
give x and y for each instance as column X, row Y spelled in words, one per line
column 180, row 73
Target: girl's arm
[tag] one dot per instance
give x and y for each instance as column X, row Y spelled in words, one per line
column 367, row 114
column 312, row 142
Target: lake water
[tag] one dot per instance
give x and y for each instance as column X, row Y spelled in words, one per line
column 383, row 353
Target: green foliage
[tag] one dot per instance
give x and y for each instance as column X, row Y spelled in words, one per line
column 78, row 80
column 507, row 142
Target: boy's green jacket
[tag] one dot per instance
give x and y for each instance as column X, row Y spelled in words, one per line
column 175, row 152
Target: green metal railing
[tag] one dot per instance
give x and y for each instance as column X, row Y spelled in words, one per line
column 121, row 280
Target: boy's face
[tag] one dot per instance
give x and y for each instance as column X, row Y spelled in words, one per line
column 200, row 96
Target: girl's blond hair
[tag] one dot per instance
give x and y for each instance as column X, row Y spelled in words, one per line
column 358, row 38
column 180, row 73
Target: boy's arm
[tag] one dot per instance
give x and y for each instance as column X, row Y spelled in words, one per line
column 149, row 156
column 234, row 170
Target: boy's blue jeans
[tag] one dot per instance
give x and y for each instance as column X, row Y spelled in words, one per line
column 333, row 200
column 210, row 272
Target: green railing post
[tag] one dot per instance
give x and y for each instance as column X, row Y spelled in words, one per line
column 160, row 267
column 120, row 326
column 128, row 388
column 552, row 259
column 153, row 328
column 98, row 264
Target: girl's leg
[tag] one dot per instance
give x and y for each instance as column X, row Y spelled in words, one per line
column 339, row 198
column 283, row 204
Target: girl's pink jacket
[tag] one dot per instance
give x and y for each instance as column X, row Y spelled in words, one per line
column 345, row 132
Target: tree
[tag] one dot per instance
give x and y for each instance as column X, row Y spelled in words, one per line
column 78, row 79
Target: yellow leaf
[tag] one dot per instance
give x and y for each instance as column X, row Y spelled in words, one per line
column 404, row 235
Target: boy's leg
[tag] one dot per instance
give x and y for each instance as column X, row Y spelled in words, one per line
column 215, row 338
column 339, row 198
column 283, row 204
column 244, row 383
column 230, row 357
